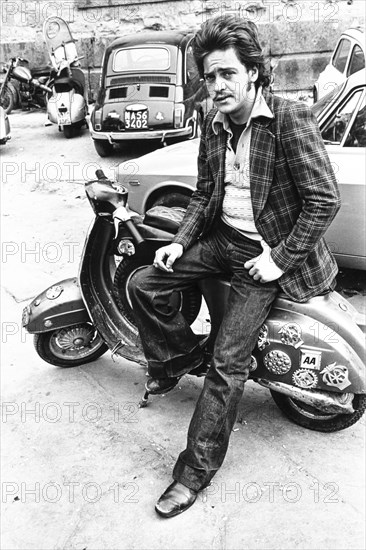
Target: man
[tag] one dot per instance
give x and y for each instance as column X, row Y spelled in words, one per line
column 266, row 194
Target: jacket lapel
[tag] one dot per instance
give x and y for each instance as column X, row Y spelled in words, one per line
column 216, row 151
column 261, row 164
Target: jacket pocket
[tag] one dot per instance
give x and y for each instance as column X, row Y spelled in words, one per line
column 319, row 268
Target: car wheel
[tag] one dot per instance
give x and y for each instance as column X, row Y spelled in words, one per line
column 103, row 148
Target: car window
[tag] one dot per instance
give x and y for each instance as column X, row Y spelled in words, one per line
column 324, row 101
column 341, row 55
column 336, row 128
column 357, row 133
column 357, row 61
column 141, row 59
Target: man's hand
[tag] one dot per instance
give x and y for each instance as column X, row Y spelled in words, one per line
column 166, row 256
column 262, row 268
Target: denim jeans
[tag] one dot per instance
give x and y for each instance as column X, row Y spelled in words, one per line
column 172, row 349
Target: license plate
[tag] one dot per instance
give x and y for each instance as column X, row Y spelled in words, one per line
column 136, row 120
column 64, row 119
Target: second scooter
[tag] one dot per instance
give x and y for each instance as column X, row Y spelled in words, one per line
column 67, row 106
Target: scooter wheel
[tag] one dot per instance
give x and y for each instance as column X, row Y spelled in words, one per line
column 188, row 302
column 314, row 419
column 71, row 346
column 8, row 100
column 71, row 131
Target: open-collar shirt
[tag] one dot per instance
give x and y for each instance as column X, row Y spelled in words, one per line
column 237, row 208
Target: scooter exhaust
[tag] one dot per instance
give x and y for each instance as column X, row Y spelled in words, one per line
column 328, row 402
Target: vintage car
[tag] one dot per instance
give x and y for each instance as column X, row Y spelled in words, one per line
column 150, row 88
column 168, row 176
column 347, row 58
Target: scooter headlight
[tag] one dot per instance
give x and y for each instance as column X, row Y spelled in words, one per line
column 25, row 316
column 126, row 247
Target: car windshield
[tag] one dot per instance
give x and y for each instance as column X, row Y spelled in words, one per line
column 141, row 59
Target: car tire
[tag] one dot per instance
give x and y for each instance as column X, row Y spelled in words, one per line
column 103, row 148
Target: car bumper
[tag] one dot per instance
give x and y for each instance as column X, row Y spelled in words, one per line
column 115, row 137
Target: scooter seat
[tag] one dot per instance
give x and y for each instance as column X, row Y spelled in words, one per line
column 162, row 217
column 66, row 83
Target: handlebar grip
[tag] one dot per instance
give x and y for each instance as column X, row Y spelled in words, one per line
column 100, row 175
column 135, row 233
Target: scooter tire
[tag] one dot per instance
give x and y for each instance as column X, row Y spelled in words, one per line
column 56, row 346
column 190, row 300
column 313, row 419
column 71, row 131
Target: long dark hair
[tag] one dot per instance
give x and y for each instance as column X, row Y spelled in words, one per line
column 228, row 31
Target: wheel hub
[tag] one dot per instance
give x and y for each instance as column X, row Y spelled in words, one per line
column 75, row 337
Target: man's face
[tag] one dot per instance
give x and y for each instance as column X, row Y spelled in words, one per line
column 229, row 83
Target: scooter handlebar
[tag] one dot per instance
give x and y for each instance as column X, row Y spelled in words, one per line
column 135, row 233
column 100, row 175
column 122, row 215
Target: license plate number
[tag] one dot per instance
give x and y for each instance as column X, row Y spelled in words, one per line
column 136, row 120
column 64, row 119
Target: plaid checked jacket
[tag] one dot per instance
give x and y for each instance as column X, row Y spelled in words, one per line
column 293, row 190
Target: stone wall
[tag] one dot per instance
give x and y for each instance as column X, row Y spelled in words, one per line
column 298, row 36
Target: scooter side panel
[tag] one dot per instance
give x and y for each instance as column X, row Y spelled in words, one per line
column 59, row 306
column 298, row 344
column 77, row 107
column 296, row 349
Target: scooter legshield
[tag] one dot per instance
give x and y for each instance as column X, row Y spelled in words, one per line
column 61, row 305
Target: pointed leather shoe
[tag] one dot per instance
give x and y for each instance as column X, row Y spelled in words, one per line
column 175, row 500
column 156, row 386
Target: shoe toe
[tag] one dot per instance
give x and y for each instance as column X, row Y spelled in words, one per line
column 176, row 499
column 160, row 385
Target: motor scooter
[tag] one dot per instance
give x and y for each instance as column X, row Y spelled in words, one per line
column 4, row 127
column 311, row 356
column 31, row 82
column 67, row 105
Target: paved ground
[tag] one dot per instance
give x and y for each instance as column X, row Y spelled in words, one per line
column 82, row 466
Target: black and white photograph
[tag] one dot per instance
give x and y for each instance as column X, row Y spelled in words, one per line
column 183, row 290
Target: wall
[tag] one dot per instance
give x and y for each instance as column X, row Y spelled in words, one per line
column 298, row 36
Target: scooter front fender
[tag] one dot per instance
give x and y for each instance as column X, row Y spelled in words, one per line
column 61, row 305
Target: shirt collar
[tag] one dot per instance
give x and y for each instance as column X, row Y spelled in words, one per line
column 260, row 108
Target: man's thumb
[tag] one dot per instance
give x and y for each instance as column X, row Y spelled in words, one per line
column 171, row 259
